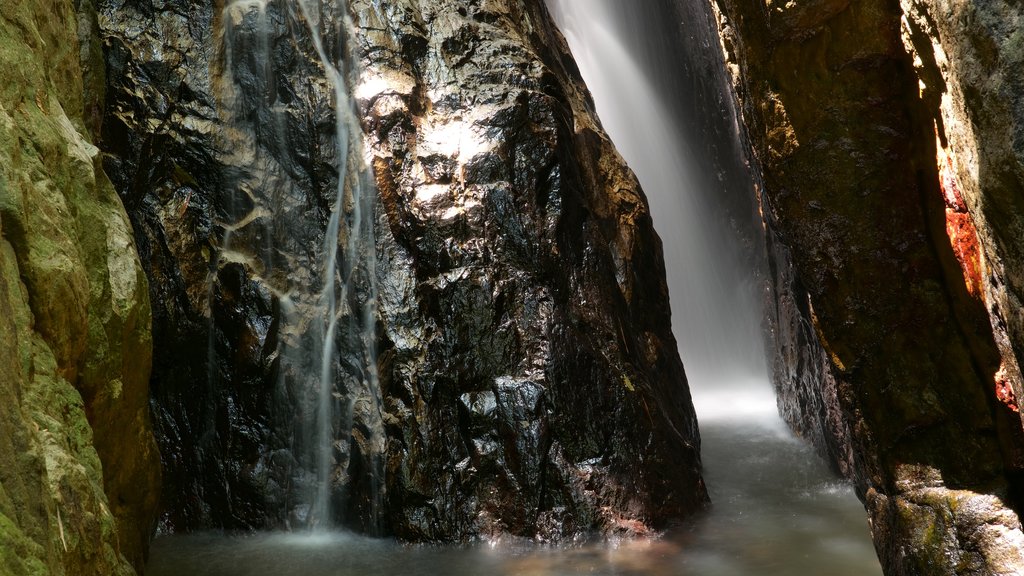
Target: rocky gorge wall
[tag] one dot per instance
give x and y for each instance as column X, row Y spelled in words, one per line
column 521, row 228
column 79, row 471
column 888, row 139
column 529, row 381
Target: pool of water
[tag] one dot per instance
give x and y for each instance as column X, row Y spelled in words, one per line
column 777, row 510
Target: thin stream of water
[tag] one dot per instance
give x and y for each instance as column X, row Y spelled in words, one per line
column 326, row 404
column 351, row 224
column 328, row 306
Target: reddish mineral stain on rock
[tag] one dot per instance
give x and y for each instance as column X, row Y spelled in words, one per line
column 1004, row 391
column 963, row 236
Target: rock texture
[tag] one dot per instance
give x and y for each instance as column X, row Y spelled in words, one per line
column 968, row 58
column 861, row 115
column 78, row 467
column 531, row 366
column 529, row 381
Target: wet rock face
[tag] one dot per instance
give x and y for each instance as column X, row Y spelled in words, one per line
column 171, row 255
column 802, row 372
column 219, row 137
column 967, row 57
column 533, row 384
column 78, row 466
column 886, row 355
column 529, row 381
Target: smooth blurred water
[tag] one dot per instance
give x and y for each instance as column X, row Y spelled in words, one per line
column 777, row 512
column 715, row 312
column 776, row 507
column 655, row 71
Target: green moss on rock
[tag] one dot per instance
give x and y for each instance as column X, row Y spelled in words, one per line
column 78, row 465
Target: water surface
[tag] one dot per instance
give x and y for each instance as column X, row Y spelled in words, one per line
column 777, row 511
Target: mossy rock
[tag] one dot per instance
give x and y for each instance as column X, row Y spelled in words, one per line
column 74, row 303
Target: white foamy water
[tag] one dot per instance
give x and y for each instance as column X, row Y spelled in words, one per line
column 751, row 400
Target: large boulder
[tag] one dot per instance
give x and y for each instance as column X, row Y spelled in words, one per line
column 532, row 381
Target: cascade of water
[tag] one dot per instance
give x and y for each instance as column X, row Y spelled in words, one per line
column 321, row 321
column 353, row 204
column 714, row 312
column 773, row 499
column 326, row 403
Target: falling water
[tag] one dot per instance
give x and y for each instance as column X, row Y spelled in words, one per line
column 771, row 497
column 327, row 298
column 321, row 513
column 714, row 314
column 355, row 210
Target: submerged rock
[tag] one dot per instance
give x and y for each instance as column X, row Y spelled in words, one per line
column 529, row 381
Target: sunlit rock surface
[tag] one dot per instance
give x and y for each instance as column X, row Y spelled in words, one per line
column 79, row 471
column 529, row 378
column 871, row 128
column 968, row 57
column 531, row 364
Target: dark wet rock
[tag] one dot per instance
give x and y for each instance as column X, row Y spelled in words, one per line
column 529, row 381
column 204, row 137
column 885, row 353
column 801, row 370
column 537, row 364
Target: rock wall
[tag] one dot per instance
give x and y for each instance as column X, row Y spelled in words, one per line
column 530, row 383
column 78, row 467
column 894, row 331
column 531, row 361
column 967, row 58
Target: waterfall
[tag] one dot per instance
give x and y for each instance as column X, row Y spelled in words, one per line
column 325, row 286
column 329, row 304
column 664, row 100
column 715, row 313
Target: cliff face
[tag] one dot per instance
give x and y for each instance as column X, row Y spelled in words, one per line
column 892, row 181
column 527, row 318
column 529, row 381
column 78, row 466
column 967, row 58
